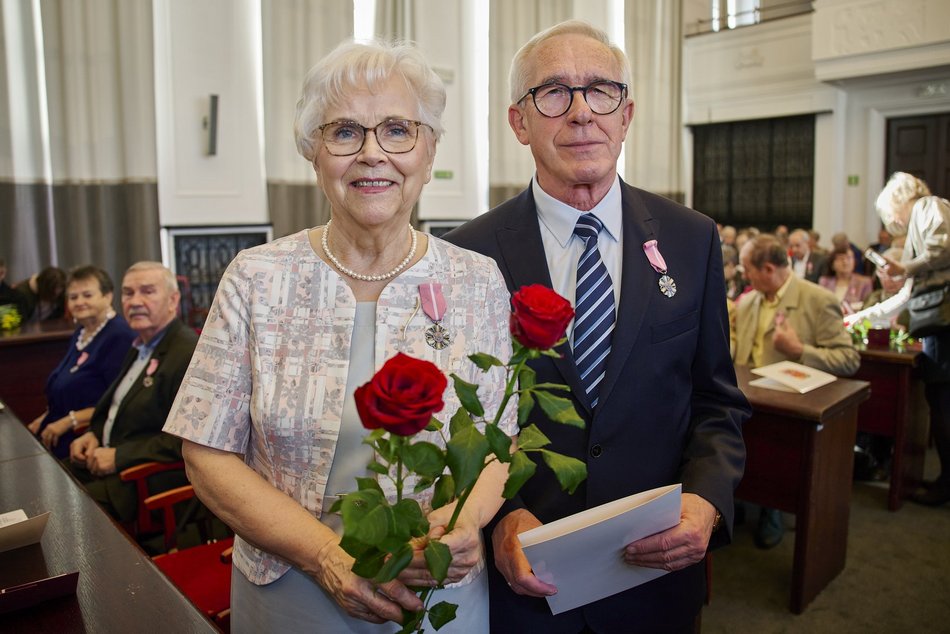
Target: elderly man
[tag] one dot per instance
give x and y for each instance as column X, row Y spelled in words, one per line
column 806, row 264
column 126, row 426
column 658, row 392
column 786, row 318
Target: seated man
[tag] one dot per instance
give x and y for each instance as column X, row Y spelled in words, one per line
column 126, row 427
column 787, row 318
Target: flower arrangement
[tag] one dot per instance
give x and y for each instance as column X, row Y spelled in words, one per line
column 401, row 400
column 9, row 317
column 897, row 337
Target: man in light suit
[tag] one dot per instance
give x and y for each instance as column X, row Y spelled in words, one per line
column 787, row 318
column 126, row 426
column 664, row 408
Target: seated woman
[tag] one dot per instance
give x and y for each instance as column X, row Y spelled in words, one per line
column 92, row 360
column 267, row 412
column 851, row 288
column 40, row 296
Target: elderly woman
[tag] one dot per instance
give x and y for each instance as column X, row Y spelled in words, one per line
column 907, row 207
column 92, row 361
column 267, row 410
column 849, row 287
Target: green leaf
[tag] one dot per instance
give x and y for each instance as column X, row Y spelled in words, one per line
column 527, row 378
column 434, row 425
column 422, row 484
column 484, row 361
column 423, row 458
column 375, row 525
column 355, row 506
column 386, row 449
column 376, row 467
column 519, row 353
column 570, row 472
column 554, row 354
column 552, row 386
column 409, row 519
column 444, row 491
column 369, row 565
column 438, row 557
column 337, row 506
column 468, row 397
column 369, row 484
column 373, row 436
column 459, row 421
column 559, row 409
column 442, row 613
column 499, row 442
column 466, row 452
column 532, row 438
column 411, row 621
column 519, row 471
column 357, row 549
column 394, row 565
column 525, row 405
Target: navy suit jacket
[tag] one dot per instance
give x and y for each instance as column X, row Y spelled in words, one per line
column 669, row 407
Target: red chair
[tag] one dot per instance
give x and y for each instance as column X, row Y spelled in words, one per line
column 202, row 573
column 144, row 523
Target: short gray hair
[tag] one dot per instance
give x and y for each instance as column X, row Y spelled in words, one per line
column 352, row 65
column 171, row 282
column 518, row 75
column 900, row 189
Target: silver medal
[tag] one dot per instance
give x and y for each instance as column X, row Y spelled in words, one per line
column 437, row 336
column 667, row 285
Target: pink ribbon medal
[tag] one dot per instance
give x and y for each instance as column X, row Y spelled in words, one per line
column 82, row 359
column 667, row 284
column 149, row 371
column 433, row 305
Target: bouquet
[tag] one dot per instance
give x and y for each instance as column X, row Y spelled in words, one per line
column 9, row 317
column 401, row 400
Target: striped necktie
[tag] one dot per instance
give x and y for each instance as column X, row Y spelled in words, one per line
column 594, row 309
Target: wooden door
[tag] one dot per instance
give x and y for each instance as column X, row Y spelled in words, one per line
column 920, row 145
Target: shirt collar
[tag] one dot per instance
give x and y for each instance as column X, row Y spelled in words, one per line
column 780, row 293
column 148, row 348
column 560, row 218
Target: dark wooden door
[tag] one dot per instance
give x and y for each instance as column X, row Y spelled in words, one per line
column 920, row 145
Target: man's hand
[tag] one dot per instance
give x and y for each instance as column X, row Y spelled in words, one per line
column 510, row 559
column 678, row 547
column 101, row 461
column 82, row 448
column 786, row 340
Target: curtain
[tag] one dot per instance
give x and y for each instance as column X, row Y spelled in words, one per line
column 81, row 184
column 511, row 24
column 395, row 20
column 297, row 34
column 654, row 39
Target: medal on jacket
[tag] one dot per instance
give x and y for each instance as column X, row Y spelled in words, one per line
column 82, row 359
column 666, row 283
column 433, row 305
column 148, row 381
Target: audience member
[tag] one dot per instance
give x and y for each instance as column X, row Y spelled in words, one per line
column 840, row 241
column 126, row 426
column 806, row 263
column 728, row 236
column 40, row 297
column 781, row 232
column 735, row 282
column 814, row 243
column 786, row 318
column 839, row 277
column 92, row 361
column 7, row 294
column 907, row 207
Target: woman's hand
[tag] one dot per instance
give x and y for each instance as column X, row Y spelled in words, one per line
column 894, row 269
column 361, row 598
column 463, row 542
column 51, row 435
column 34, row 426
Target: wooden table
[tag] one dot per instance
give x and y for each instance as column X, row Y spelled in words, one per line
column 897, row 409
column 120, row 589
column 800, row 452
column 27, row 356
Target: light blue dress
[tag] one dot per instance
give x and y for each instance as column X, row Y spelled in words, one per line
column 295, row 602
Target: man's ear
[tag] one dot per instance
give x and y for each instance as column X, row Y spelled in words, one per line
column 517, row 122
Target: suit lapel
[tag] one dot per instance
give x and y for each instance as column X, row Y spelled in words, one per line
column 525, row 263
column 157, row 355
column 638, row 281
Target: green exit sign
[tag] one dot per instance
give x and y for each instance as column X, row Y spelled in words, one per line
column 446, row 175
column 853, row 180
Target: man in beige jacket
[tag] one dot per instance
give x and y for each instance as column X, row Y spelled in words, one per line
column 787, row 318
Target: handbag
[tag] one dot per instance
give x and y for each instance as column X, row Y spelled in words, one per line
column 929, row 311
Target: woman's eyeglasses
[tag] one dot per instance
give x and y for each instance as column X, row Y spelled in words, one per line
column 394, row 136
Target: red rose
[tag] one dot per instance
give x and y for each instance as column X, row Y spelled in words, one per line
column 540, row 316
column 402, row 396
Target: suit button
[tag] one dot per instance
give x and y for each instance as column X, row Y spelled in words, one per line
column 595, row 451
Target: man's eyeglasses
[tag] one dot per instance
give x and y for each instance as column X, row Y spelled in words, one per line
column 554, row 99
column 394, row 136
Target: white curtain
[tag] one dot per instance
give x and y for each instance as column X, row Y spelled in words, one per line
column 297, row 34
column 654, row 154
column 80, row 106
column 511, row 24
column 395, row 20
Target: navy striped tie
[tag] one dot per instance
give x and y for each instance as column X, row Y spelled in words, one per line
column 594, row 309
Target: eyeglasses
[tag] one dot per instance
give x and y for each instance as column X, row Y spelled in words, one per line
column 394, row 136
column 554, row 99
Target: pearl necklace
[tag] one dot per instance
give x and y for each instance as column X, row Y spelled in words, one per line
column 81, row 344
column 325, row 243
